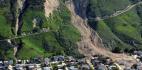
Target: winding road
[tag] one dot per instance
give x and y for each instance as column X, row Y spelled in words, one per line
column 117, row 13
column 26, row 35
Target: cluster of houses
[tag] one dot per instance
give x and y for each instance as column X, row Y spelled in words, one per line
column 104, row 63
column 98, row 62
column 53, row 63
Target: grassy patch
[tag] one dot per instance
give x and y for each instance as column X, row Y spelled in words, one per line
column 28, row 18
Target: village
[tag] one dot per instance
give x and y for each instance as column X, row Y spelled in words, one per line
column 98, row 62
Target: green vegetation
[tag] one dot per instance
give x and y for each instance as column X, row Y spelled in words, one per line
column 28, row 21
column 60, row 40
column 36, row 4
column 5, row 29
column 6, row 51
column 123, row 31
column 105, row 7
column 119, row 33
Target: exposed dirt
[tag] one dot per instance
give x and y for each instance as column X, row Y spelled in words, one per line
column 19, row 8
column 91, row 43
column 50, row 6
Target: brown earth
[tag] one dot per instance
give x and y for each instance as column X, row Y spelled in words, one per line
column 91, row 44
column 50, row 6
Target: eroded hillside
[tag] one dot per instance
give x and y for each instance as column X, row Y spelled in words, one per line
column 91, row 43
column 65, row 27
column 50, row 6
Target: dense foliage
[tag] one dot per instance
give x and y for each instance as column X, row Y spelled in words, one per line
column 36, row 4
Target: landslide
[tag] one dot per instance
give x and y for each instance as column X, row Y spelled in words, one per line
column 90, row 43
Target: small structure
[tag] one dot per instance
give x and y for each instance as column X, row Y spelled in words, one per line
column 101, row 67
column 46, row 61
column 10, row 67
column 1, row 65
column 61, row 65
column 31, row 67
column 19, row 61
column 10, row 62
column 70, row 58
column 58, row 58
column 112, row 67
column 85, row 67
column 47, row 68
column 19, row 67
column 139, row 66
column 73, row 68
column 37, row 21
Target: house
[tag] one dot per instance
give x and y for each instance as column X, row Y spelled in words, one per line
column 127, row 68
column 38, row 66
column 85, row 67
column 95, row 62
column 1, row 65
column 73, row 68
column 60, row 69
column 101, row 67
column 5, row 62
column 46, row 61
column 36, row 60
column 139, row 53
column 47, row 68
column 118, row 66
column 61, row 65
column 1, row 1
column 139, row 66
column 44, row 30
column 19, row 61
column 31, row 67
column 19, row 67
column 10, row 62
column 81, row 61
column 39, row 69
column 23, row 34
column 112, row 67
column 37, row 21
column 70, row 58
column 58, row 58
column 10, row 67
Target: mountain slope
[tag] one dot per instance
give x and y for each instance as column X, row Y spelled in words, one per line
column 61, row 33
column 68, row 27
column 123, row 30
column 37, row 31
column 91, row 43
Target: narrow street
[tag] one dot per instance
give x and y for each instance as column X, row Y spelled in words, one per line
column 26, row 35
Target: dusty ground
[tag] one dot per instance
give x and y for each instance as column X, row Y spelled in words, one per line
column 50, row 5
